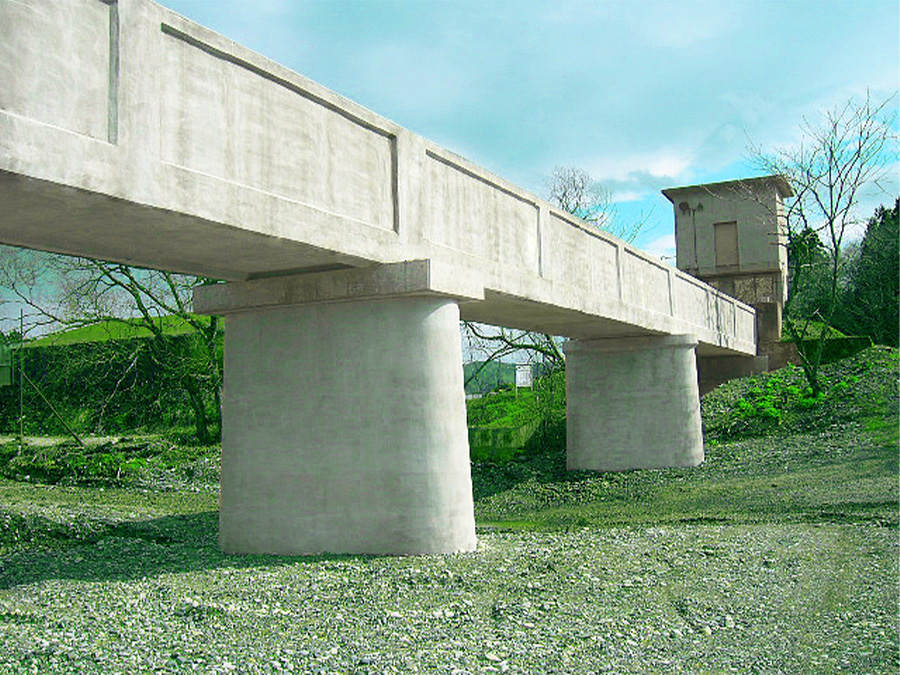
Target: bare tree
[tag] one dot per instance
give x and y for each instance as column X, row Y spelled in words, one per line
column 574, row 191
column 63, row 293
column 848, row 151
column 495, row 343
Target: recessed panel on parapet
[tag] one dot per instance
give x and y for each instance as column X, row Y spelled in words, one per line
column 604, row 275
column 579, row 255
column 227, row 118
column 61, row 71
column 569, row 260
column 478, row 216
column 691, row 299
column 648, row 283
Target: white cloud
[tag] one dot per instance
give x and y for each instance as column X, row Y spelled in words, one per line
column 682, row 25
column 621, row 197
column 662, row 248
column 669, row 163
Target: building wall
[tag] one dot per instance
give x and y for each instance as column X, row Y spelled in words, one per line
column 732, row 236
column 758, row 213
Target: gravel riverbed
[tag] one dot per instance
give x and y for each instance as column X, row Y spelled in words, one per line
column 688, row 598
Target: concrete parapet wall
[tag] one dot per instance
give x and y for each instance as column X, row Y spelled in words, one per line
column 138, row 136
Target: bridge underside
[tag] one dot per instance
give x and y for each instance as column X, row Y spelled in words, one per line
column 344, row 415
column 43, row 215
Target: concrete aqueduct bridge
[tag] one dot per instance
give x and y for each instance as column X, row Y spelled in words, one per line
column 352, row 248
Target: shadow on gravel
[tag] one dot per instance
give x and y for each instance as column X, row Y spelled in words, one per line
column 138, row 549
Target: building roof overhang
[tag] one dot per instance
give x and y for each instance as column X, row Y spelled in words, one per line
column 779, row 182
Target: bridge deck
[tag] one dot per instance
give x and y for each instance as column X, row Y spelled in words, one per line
column 130, row 133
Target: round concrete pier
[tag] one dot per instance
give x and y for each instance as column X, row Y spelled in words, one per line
column 345, row 430
column 633, row 403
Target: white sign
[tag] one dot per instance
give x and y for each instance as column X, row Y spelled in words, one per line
column 523, row 375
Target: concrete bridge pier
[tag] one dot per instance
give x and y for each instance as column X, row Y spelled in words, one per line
column 344, row 424
column 633, row 403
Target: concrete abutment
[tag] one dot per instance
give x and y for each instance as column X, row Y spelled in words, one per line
column 633, row 403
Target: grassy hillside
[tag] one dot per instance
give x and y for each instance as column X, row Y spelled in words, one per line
column 772, row 455
column 483, row 377
column 509, row 408
column 113, row 330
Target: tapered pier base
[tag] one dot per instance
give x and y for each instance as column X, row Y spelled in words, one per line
column 633, row 404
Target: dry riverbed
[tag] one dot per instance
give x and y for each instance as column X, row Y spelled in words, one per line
column 683, row 598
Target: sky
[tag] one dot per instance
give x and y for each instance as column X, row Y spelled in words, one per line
column 642, row 94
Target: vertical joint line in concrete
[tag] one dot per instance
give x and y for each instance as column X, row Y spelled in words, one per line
column 709, row 311
column 395, row 182
column 540, row 242
column 112, row 129
column 620, row 277
column 734, row 313
column 671, row 294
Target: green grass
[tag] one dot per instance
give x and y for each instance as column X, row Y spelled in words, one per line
column 45, row 517
column 828, row 460
column 773, row 455
column 510, row 408
column 814, row 330
column 113, row 461
column 862, row 388
column 502, row 409
column 114, row 330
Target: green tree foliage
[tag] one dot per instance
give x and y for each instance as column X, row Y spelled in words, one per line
column 481, row 377
column 808, row 269
column 64, row 293
column 870, row 302
column 103, row 387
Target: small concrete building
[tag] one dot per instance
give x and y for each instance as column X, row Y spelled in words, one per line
column 732, row 236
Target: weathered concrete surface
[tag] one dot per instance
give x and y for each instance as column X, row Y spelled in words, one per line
column 344, row 426
column 632, row 404
column 130, row 133
column 753, row 204
column 409, row 278
column 714, row 370
column 345, row 430
column 732, row 235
